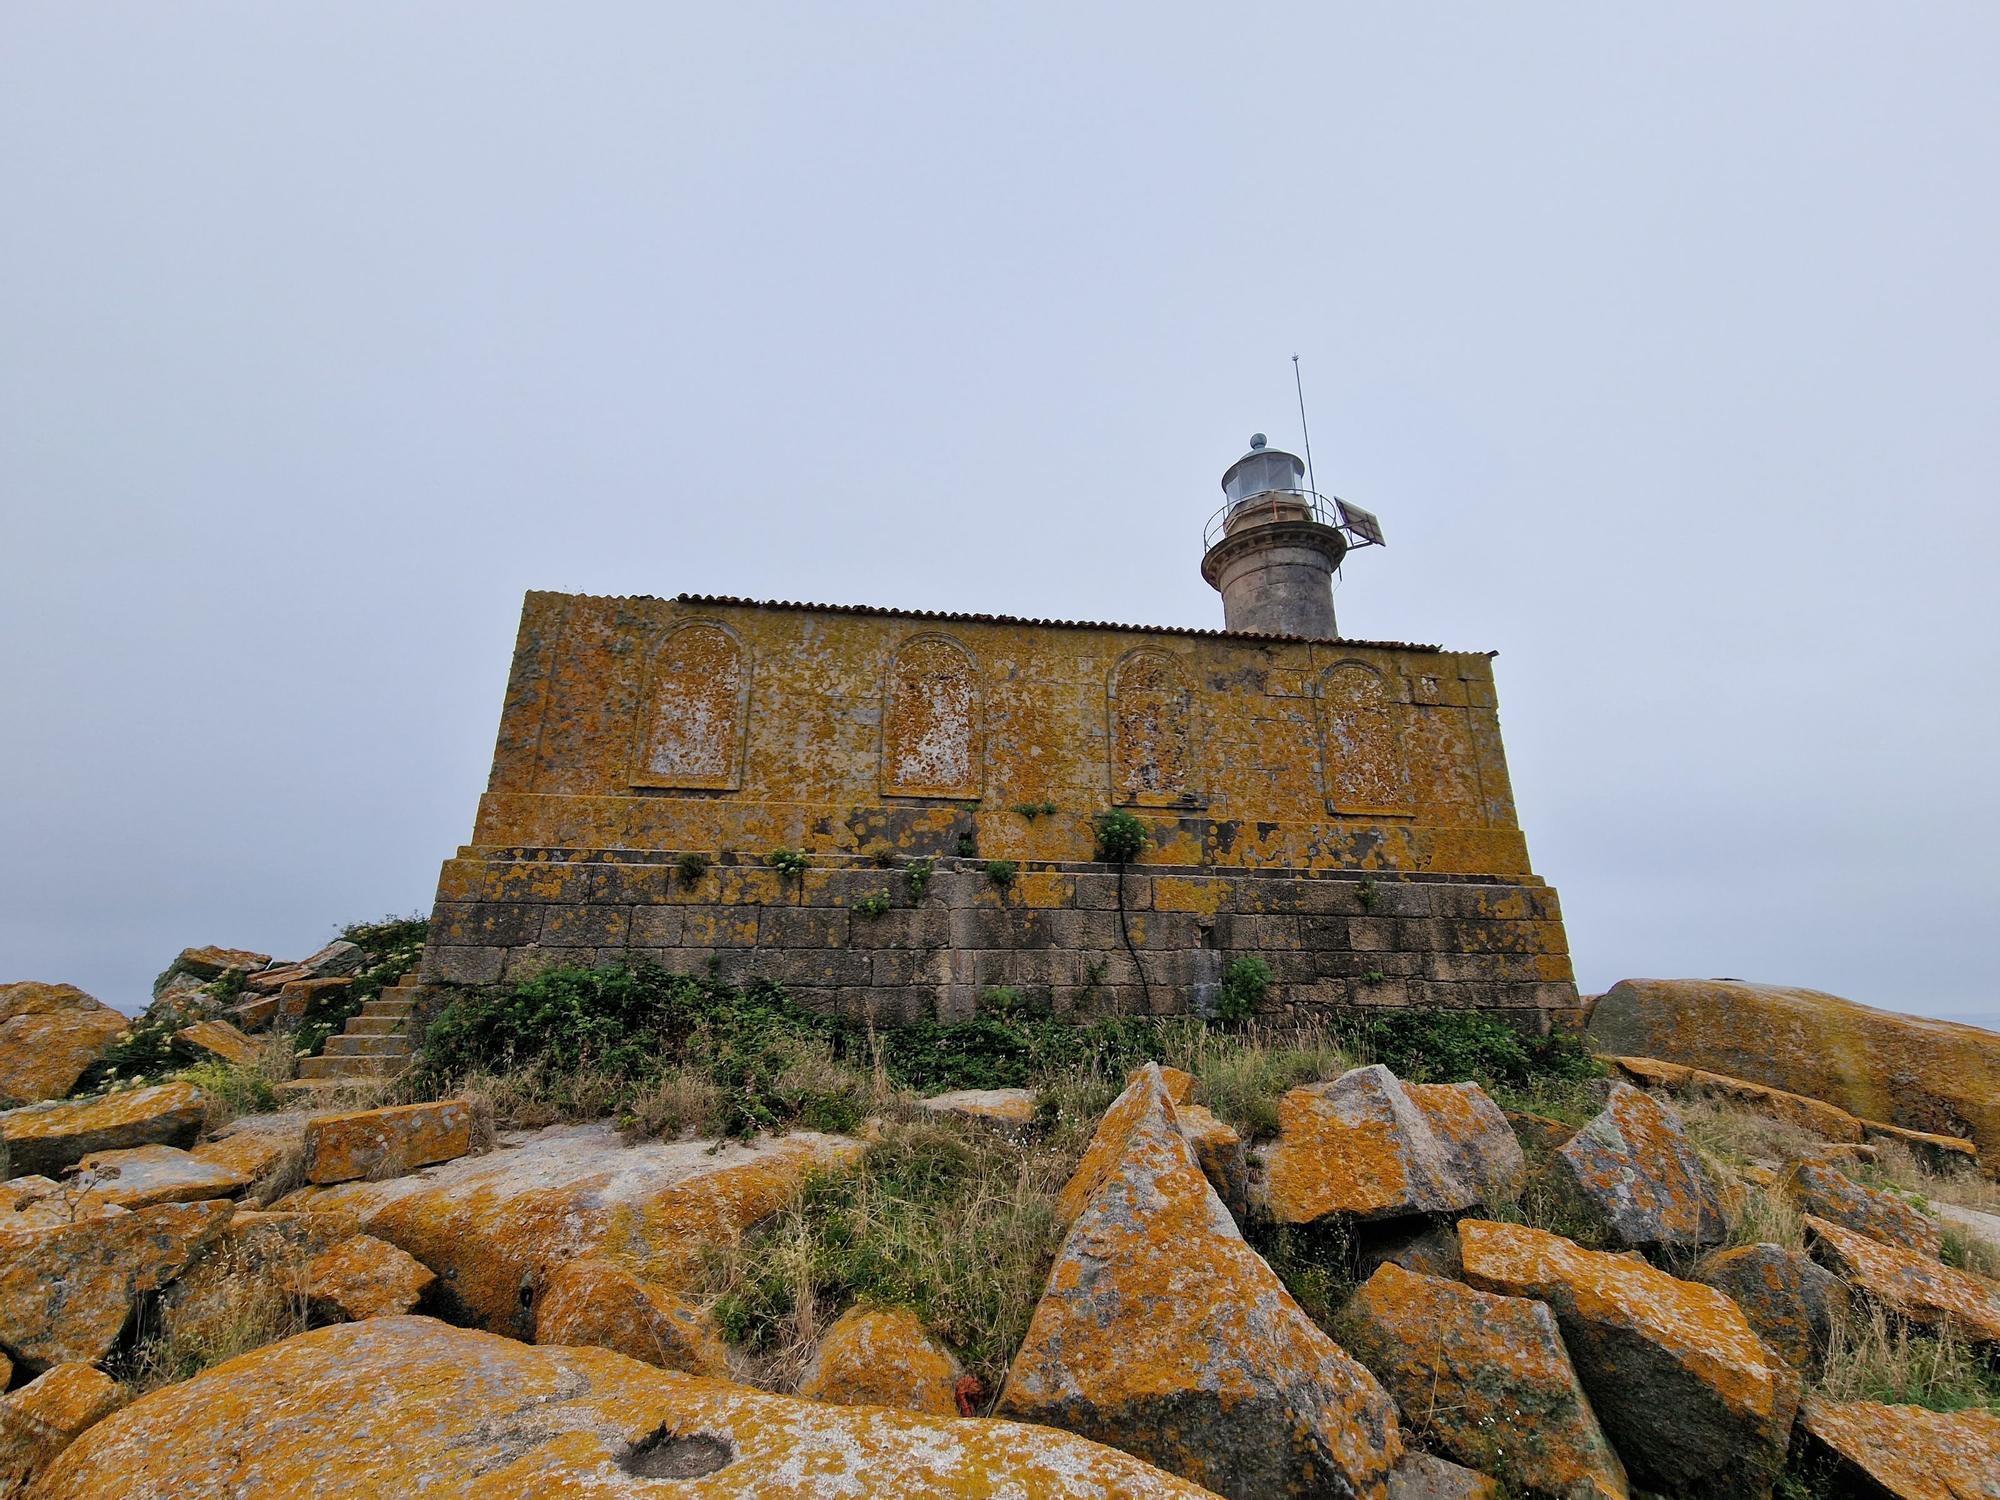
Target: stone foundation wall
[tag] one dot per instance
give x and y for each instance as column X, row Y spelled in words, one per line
column 1334, row 940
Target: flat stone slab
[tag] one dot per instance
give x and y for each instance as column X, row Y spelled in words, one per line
column 45, row 1138
column 376, row 1143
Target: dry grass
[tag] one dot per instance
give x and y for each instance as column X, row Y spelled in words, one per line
column 948, row 1218
column 1873, row 1357
column 1241, row 1075
column 240, row 1313
column 232, row 1090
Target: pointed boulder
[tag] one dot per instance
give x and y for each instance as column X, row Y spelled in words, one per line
column 1915, row 1287
column 597, row 1303
column 1359, row 1146
column 1163, row 1333
column 1694, row 1402
column 1473, row 1372
column 1827, row 1193
column 1639, row 1173
column 1791, row 1304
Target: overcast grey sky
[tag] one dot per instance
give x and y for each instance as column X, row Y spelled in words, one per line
column 1662, row 340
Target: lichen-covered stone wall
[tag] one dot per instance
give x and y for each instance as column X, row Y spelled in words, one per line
column 1276, row 778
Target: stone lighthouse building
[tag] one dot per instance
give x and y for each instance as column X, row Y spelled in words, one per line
column 892, row 812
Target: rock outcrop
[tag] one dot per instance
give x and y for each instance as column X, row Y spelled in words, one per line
column 1359, row 1146
column 1910, row 1284
column 1011, row 1111
column 66, row 1292
column 1813, row 1115
column 883, row 1357
column 494, row 1227
column 1162, row 1333
column 1636, row 1169
column 408, row 1406
column 50, row 1034
column 599, row 1304
column 1421, row 1477
column 141, row 1176
column 1478, row 1143
column 1792, row 1304
column 45, row 1138
column 219, row 1040
column 1933, row 1076
column 363, row 1277
column 1689, row 1395
column 376, row 1143
column 1827, row 1193
column 45, row 1416
column 1906, row 1452
column 1486, row 1378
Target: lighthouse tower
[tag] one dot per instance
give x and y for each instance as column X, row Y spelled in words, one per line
column 1272, row 549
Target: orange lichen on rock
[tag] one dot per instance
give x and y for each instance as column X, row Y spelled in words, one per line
column 1907, row 1452
column 1477, row 1140
column 1223, row 1156
column 386, row 1142
column 1477, row 1374
column 363, row 1277
column 1692, row 1399
column 597, row 1303
column 45, row 1138
column 1826, row 1193
column 1924, row 1075
column 220, row 1039
column 1636, row 1169
column 883, row 1357
column 1792, row 1304
column 1359, row 1146
column 1163, row 1333
column 254, row 1254
column 1941, row 1153
column 1908, row 1283
column 255, row 1144
column 1421, row 1477
column 143, row 1175
column 45, row 1416
column 1010, row 1110
column 406, row 1406
column 496, row 1226
column 49, row 1035
column 66, row 1292
column 1812, row 1115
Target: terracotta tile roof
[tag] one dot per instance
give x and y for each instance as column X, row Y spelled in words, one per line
column 730, row 601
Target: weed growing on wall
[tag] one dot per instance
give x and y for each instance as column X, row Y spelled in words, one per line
column 789, row 863
column 691, row 867
column 872, row 906
column 1120, row 836
column 1244, row 984
column 1034, row 810
column 1001, row 872
column 917, row 876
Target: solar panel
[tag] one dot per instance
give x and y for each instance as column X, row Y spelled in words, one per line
column 1361, row 522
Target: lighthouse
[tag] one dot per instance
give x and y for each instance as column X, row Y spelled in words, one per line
column 1272, row 550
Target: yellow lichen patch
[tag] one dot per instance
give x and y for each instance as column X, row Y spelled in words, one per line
column 496, row 1226
column 1910, row 1284
column 883, row 1357
column 45, row 1138
column 1690, row 1396
column 1359, row 1146
column 1908, row 1452
column 364, row 1277
column 596, row 1303
column 1180, row 1084
column 1826, row 1193
column 1792, row 1304
column 255, row 1144
column 1009, row 1109
column 404, row 1406
column 66, row 1292
column 1163, row 1333
column 386, row 1142
column 1476, row 1373
column 1924, row 1075
column 1220, row 1150
column 49, row 1034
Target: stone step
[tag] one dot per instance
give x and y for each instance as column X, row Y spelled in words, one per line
column 374, row 1025
column 367, row 1046
column 397, row 1008
column 351, row 1067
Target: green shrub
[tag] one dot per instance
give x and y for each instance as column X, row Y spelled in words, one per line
column 1450, row 1045
column 1244, row 984
column 789, row 862
column 1120, row 836
column 691, row 867
column 918, row 877
column 1001, row 872
column 873, row 906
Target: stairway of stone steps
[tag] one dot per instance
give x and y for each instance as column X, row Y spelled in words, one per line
column 374, row 1044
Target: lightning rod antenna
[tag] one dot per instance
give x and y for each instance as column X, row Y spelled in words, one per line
column 1311, row 482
